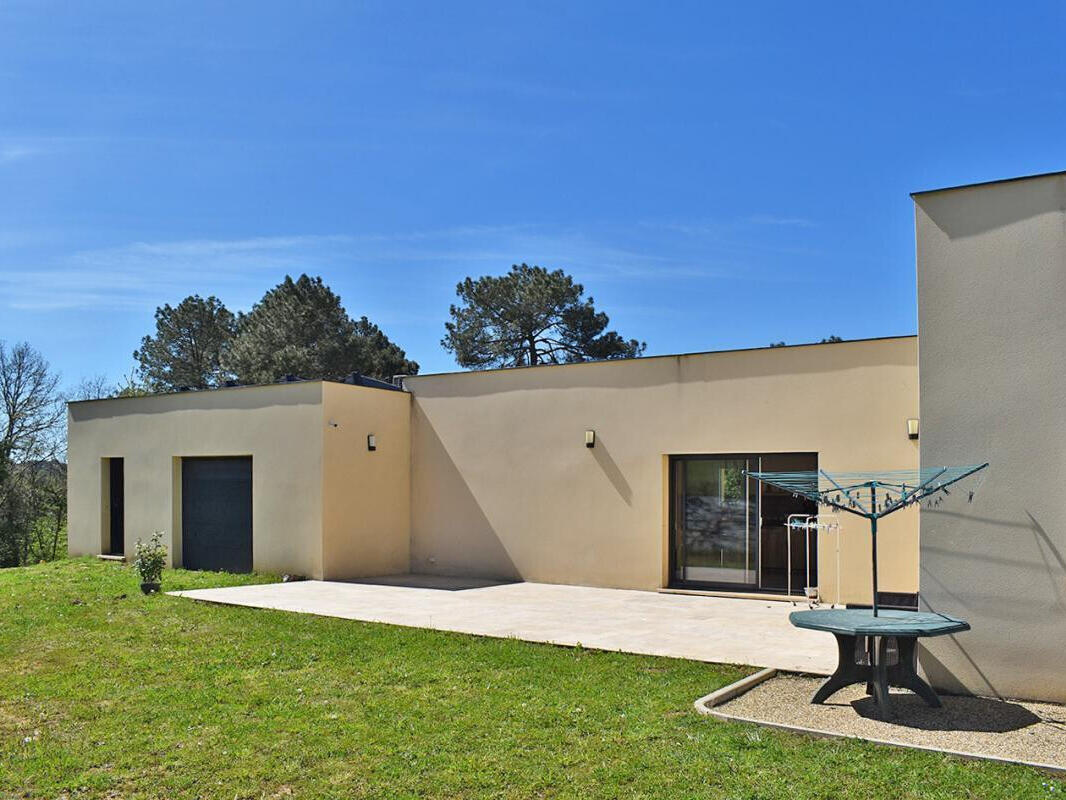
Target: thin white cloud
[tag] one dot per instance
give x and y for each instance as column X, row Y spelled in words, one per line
column 590, row 258
column 10, row 153
column 144, row 274
column 771, row 219
column 214, row 253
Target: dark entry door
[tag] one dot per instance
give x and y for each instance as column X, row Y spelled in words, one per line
column 777, row 506
column 117, row 506
column 216, row 514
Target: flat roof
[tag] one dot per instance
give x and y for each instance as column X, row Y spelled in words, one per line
column 665, row 355
column 384, row 387
column 500, row 369
column 989, row 183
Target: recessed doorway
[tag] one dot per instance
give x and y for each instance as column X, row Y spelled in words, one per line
column 116, row 506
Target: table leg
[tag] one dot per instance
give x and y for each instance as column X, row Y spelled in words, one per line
column 878, row 676
column 878, row 656
column 847, row 671
column 905, row 675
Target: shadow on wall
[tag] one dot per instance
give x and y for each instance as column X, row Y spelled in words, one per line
column 943, row 679
column 450, row 533
column 1021, row 607
column 1044, row 541
column 611, row 470
column 968, row 212
column 1046, row 557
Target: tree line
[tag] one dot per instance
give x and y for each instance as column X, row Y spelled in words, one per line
column 525, row 317
column 298, row 328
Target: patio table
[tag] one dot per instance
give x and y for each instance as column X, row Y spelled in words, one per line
column 878, row 650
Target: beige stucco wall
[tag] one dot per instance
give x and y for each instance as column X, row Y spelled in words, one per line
column 503, row 485
column 991, row 294
column 280, row 427
column 366, row 510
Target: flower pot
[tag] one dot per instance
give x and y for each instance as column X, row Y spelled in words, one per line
column 150, row 588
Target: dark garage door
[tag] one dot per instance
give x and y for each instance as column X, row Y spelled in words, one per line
column 216, row 514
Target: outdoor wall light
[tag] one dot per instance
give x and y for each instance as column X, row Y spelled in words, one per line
column 590, row 438
column 371, row 442
column 912, row 429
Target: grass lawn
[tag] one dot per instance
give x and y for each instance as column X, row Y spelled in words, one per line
column 107, row 693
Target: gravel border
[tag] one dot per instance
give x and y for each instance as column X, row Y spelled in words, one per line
column 1015, row 732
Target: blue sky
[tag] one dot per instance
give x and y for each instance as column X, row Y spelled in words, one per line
column 716, row 176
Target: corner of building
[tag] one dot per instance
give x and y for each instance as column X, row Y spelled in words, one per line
column 366, row 481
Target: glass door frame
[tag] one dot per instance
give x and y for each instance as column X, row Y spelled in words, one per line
column 674, row 568
column 675, row 576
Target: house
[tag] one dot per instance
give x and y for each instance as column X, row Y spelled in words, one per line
column 490, row 474
column 631, row 473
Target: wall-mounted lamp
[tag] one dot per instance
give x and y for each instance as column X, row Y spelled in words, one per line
column 590, row 438
column 371, row 442
column 912, row 429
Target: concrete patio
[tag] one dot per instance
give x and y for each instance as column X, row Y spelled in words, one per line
column 718, row 629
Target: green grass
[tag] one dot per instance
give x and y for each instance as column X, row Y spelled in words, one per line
column 107, row 693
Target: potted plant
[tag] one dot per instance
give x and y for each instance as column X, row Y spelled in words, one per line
column 151, row 557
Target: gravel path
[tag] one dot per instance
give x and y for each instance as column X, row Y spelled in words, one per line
column 1032, row 732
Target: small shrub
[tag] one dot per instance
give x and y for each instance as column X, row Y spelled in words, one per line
column 151, row 558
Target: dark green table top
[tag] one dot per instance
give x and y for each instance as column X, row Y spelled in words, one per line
column 888, row 622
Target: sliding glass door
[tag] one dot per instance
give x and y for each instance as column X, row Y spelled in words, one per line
column 716, row 512
column 729, row 531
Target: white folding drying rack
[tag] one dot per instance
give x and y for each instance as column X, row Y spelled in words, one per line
column 808, row 523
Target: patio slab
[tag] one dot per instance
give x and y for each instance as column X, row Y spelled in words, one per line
column 715, row 629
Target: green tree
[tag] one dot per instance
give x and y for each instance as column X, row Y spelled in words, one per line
column 377, row 355
column 31, row 476
column 530, row 316
column 130, row 386
column 826, row 340
column 301, row 328
column 187, row 347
